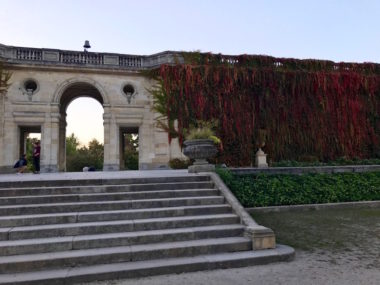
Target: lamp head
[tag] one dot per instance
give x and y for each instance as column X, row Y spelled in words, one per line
column 86, row 44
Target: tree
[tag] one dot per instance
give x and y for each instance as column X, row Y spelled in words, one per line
column 72, row 144
column 131, row 153
column 79, row 157
column 96, row 154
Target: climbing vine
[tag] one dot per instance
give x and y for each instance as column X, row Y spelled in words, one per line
column 306, row 107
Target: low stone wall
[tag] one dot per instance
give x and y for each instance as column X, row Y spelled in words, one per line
column 309, row 169
column 314, row 207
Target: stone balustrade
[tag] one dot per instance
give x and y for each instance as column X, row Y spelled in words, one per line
column 28, row 54
column 81, row 58
column 25, row 55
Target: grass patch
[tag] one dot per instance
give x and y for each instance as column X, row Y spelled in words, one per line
column 354, row 232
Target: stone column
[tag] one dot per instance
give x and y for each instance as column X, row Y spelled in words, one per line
column 55, row 137
column 111, row 142
column 49, row 143
column 2, row 108
column 62, row 143
column 9, row 153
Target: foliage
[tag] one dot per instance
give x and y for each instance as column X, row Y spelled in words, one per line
column 166, row 119
column 177, row 163
column 199, row 133
column 131, row 154
column 79, row 157
column 29, row 152
column 283, row 189
column 96, row 150
column 131, row 161
column 202, row 130
column 72, row 144
column 4, row 78
column 306, row 107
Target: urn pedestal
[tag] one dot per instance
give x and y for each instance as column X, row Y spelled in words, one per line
column 200, row 150
column 261, row 159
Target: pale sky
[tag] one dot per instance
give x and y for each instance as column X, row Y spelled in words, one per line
column 338, row 30
column 85, row 122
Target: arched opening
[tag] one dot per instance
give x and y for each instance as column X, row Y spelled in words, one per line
column 71, row 93
column 84, row 135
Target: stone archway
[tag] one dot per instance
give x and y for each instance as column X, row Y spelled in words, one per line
column 69, row 91
column 45, row 81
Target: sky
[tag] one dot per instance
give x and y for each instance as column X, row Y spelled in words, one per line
column 338, row 30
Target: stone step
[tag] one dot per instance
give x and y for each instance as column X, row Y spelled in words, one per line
column 75, row 229
column 83, row 189
column 60, row 232
column 112, row 196
column 105, row 181
column 149, row 267
column 108, row 205
column 76, row 217
column 43, row 245
column 25, row 263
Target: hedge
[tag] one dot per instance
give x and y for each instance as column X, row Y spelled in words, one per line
column 259, row 190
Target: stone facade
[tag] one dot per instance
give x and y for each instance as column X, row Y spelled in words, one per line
column 62, row 76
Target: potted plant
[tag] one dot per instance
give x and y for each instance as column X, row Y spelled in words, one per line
column 200, row 145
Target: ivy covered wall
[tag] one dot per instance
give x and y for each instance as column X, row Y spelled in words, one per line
column 306, row 108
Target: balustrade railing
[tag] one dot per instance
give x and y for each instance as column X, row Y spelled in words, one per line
column 130, row 61
column 28, row 54
column 81, row 58
column 104, row 60
column 229, row 60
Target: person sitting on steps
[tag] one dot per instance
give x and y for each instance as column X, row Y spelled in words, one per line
column 21, row 164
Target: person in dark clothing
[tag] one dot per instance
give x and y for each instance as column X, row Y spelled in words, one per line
column 36, row 157
column 21, row 164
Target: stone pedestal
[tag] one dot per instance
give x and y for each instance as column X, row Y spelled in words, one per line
column 262, row 237
column 261, row 159
column 201, row 166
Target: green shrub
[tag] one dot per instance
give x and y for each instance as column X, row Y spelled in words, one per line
column 177, row 163
column 200, row 133
column 131, row 159
column 284, row 189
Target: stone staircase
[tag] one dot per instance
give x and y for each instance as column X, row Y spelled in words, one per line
column 67, row 231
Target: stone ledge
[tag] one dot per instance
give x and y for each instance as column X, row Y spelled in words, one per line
column 262, row 237
column 314, row 207
column 309, row 169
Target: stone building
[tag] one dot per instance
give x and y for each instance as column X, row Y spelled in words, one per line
column 45, row 81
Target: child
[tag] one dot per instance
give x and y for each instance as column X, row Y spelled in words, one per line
column 21, row 164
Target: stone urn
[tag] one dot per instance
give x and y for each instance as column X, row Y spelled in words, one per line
column 200, row 150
